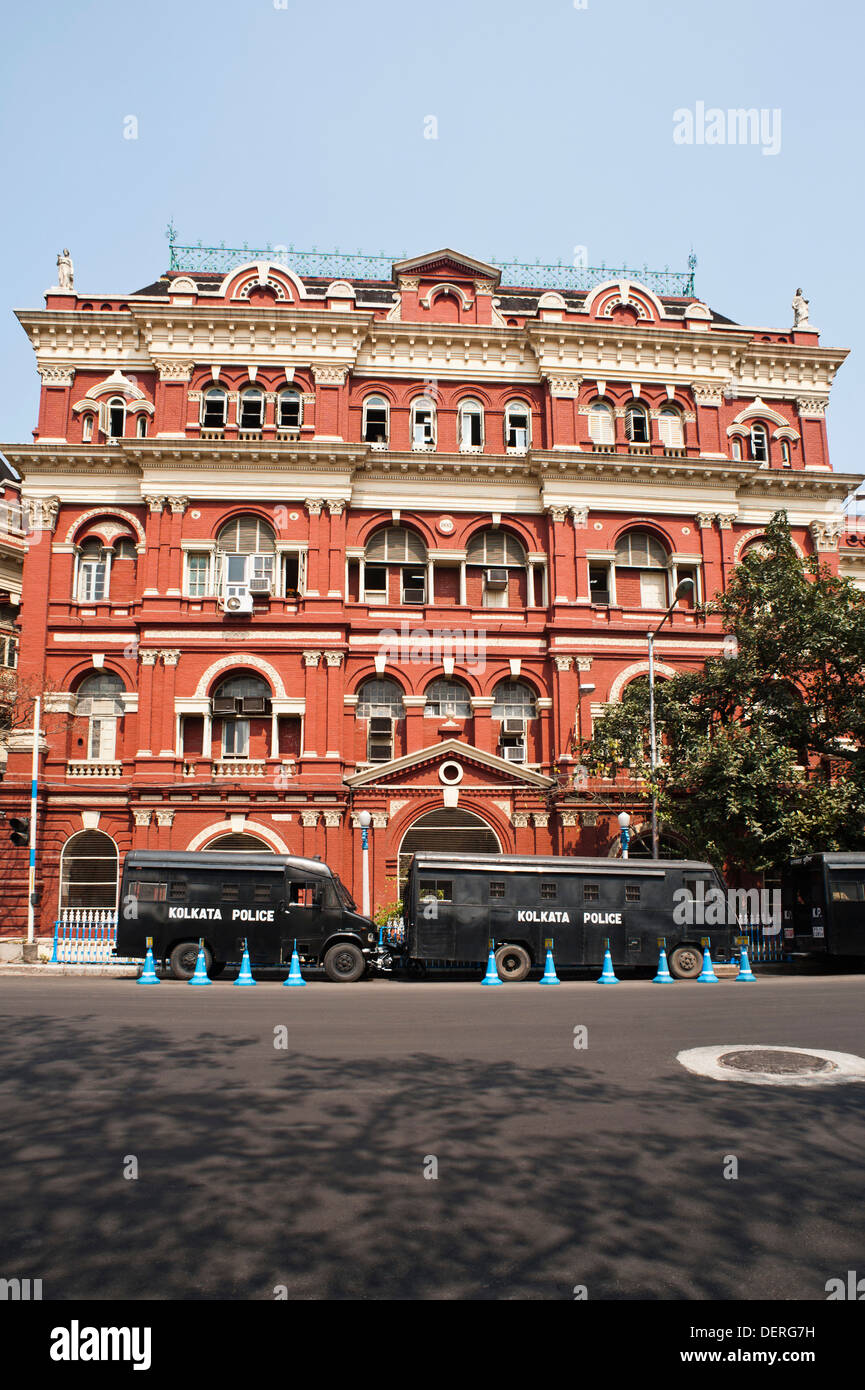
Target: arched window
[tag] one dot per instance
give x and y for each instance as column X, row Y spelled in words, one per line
column 92, row 572
column 247, row 545
column 141, row 426
column 376, row 421
column 423, row 423
column 380, row 697
column 447, row 699
column 495, row 548
column 601, row 424
column 736, row 449
column 214, row 408
column 88, row 871
column 670, row 429
column 289, row 410
column 759, row 444
column 235, row 699
column 116, row 417
column 637, row 423
column 99, row 699
column 251, row 413
column 641, row 571
column 514, row 700
column 471, row 427
column 518, row 427
column 501, row 555
column 87, row 429
column 380, row 703
column 395, row 546
column 785, row 453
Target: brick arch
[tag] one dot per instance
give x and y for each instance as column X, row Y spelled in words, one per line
column 106, row 512
column 516, row 528
column 748, row 536
column 238, row 662
column 460, row 673
column 249, row 509
column 639, row 668
column 217, row 829
column 385, row 522
column 645, row 523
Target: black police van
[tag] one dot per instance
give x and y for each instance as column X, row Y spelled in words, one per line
column 268, row 900
column 823, row 905
column 455, row 905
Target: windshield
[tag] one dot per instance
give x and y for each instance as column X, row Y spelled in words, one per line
column 344, row 896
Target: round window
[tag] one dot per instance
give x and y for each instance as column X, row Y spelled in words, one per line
column 450, row 773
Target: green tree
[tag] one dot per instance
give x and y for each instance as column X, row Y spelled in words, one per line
column 763, row 750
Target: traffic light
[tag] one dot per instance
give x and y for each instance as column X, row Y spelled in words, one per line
column 20, row 830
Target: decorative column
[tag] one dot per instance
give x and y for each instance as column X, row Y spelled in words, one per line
column 54, row 404
column 170, row 657
column 151, row 541
column 308, row 821
column 313, row 558
column 485, row 730
column 142, row 820
column 41, row 520
column 147, row 659
column 336, row 571
column 333, row 666
column 580, row 517
column 826, row 534
column 334, row 841
column 812, row 412
column 708, row 397
column 178, row 506
column 540, row 821
column 565, row 703
column 582, row 666
column 545, row 706
column 164, row 822
column 563, row 577
column 314, row 733
column 171, row 405
column 414, row 722
column 329, row 389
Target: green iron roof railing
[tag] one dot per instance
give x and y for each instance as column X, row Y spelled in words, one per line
column 357, row 266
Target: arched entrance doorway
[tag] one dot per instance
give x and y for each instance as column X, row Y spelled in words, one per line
column 88, row 871
column 450, row 830
column 238, row 844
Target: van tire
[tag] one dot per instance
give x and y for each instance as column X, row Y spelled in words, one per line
column 344, row 963
column 686, row 962
column 183, row 957
column 513, row 963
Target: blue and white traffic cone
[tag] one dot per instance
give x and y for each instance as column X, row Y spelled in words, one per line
column 294, row 977
column 148, row 975
column 608, row 975
column 245, row 974
column 549, row 976
column 707, row 975
column 200, row 976
column 663, row 976
column 492, row 975
column 746, row 974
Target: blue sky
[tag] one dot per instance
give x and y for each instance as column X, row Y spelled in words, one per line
column 305, row 125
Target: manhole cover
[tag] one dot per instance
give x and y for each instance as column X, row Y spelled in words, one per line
column 776, row 1063
column 773, row 1066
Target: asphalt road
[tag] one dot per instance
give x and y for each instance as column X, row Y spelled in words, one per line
column 304, row 1166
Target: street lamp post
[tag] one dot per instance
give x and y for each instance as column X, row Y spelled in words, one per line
column 683, row 589
column 363, row 819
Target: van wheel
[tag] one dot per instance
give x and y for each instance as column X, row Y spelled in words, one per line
column 183, row 957
column 344, row 963
column 513, row 963
column 686, row 962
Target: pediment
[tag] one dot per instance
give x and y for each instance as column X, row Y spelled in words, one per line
column 447, row 264
column 479, row 768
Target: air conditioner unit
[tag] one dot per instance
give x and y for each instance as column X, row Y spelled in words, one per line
column 260, row 585
column 413, row 596
column 237, row 603
column 513, row 726
column 514, row 753
column 379, row 725
column 496, row 578
column 225, row 706
column 253, row 704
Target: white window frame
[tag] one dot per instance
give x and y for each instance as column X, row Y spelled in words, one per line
column 635, row 410
column 238, row 735
column 115, row 403
column 86, row 569
column 141, row 426
column 189, row 556
column 101, row 739
column 289, row 394
column 671, row 428
column 423, row 432
column 522, row 408
column 605, row 433
column 759, row 431
column 251, row 393
column 214, row 391
column 468, row 410
column 377, row 402
column 87, row 428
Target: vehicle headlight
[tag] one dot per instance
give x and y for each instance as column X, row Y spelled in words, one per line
column 370, row 936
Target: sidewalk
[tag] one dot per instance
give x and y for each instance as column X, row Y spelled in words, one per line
column 45, row 971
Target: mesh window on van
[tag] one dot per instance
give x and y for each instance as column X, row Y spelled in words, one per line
column 150, row 892
column 549, row 891
column 632, row 892
column 497, row 890
column 591, row 893
column 177, row 892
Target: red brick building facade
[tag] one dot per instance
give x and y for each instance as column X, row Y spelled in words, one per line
column 303, row 547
